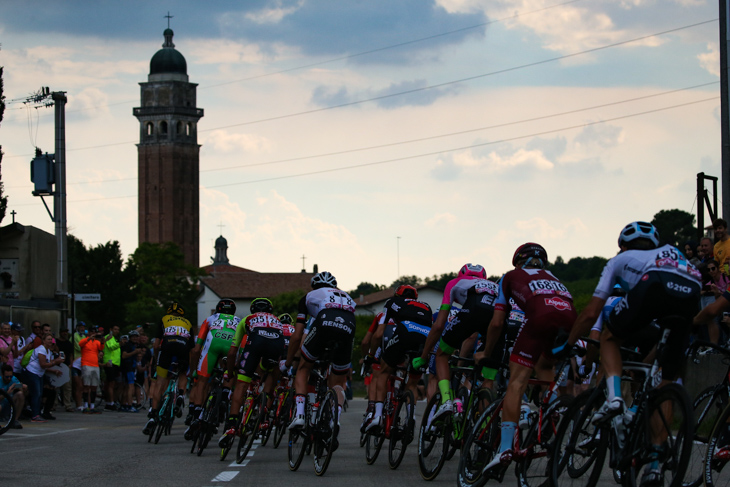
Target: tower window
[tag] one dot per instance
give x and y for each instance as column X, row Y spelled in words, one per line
column 163, row 128
column 150, row 128
column 188, row 129
column 179, row 128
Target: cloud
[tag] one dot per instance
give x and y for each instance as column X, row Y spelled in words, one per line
column 551, row 148
column 710, row 61
column 274, row 15
column 541, row 229
column 440, row 220
column 327, row 96
column 601, row 135
column 90, row 100
column 223, row 141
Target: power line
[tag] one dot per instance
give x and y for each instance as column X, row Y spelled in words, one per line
column 416, row 156
column 415, row 90
column 433, row 137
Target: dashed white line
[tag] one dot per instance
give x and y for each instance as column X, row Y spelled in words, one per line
column 17, row 436
column 226, row 476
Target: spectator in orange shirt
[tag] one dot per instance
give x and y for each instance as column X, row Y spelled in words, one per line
column 90, row 348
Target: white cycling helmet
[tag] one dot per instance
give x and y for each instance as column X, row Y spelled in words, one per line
column 323, row 279
column 637, row 230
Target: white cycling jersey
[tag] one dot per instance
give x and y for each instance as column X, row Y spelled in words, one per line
column 627, row 268
column 324, row 298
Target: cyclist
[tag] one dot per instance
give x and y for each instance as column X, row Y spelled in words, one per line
column 371, row 351
column 261, row 351
column 548, row 308
column 334, row 323
column 659, row 282
column 174, row 346
column 214, row 340
column 412, row 320
column 476, row 295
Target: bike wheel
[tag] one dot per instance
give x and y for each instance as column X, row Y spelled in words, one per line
column 667, row 418
column 266, row 426
column 580, row 446
column 373, row 443
column 707, row 406
column 433, row 441
column 140, row 395
column 250, row 428
column 159, row 430
column 209, row 422
column 534, row 469
column 401, row 432
column 229, row 446
column 481, row 444
column 283, row 418
column 325, row 433
column 716, row 457
column 7, row 411
column 298, row 443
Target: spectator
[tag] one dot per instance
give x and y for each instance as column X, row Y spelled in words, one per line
column 8, row 345
column 129, row 353
column 690, row 251
column 17, row 391
column 17, row 331
column 143, row 359
column 40, row 360
column 64, row 345
column 704, row 250
column 78, row 384
column 721, row 251
column 112, row 361
column 91, row 346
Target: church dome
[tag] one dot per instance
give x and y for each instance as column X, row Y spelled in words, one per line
column 221, row 242
column 168, row 59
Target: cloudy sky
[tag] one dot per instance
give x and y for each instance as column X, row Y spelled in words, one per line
column 377, row 137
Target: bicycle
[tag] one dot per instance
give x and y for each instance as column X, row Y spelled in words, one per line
column 7, row 411
column 165, row 413
column 533, row 448
column 254, row 410
column 214, row 411
column 451, row 430
column 321, row 424
column 282, row 409
column 629, row 439
column 398, row 415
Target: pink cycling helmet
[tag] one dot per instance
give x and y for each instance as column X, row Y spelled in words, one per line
column 473, row 270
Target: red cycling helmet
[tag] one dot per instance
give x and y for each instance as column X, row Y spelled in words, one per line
column 407, row 291
column 473, row 270
column 528, row 250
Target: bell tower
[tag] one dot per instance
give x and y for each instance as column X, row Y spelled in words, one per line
column 168, row 154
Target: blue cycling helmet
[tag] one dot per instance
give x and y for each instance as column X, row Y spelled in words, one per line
column 636, row 230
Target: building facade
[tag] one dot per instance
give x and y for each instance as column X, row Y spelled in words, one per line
column 169, row 154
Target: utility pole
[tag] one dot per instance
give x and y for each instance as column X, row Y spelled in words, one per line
column 725, row 107
column 49, row 170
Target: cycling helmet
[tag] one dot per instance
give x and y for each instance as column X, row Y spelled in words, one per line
column 133, row 333
column 286, row 319
column 407, row 291
column 530, row 251
column 323, row 279
column 473, row 270
column 636, row 230
column 226, row 306
column 175, row 308
column 261, row 305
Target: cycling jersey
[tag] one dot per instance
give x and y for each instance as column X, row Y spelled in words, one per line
column 262, row 324
column 176, row 329
column 477, row 297
column 462, row 288
column 263, row 345
column 628, row 268
column 177, row 341
column 216, row 335
column 548, row 307
column 412, row 323
column 334, row 322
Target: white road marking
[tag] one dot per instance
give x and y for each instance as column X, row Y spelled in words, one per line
column 242, row 464
column 225, row 476
column 26, row 449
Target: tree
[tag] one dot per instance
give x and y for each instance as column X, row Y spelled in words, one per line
column 100, row 270
column 675, row 227
column 577, row 268
column 365, row 288
column 159, row 277
column 287, row 302
column 439, row 282
column 414, row 281
column 3, row 198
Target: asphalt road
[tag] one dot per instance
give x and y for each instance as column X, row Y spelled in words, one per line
column 109, row 449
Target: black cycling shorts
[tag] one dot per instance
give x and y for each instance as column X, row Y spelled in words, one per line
column 174, row 352
column 262, row 345
column 407, row 337
column 387, row 335
column 657, row 295
column 465, row 323
column 333, row 329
